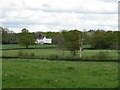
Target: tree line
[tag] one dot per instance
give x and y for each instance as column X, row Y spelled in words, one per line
column 69, row 39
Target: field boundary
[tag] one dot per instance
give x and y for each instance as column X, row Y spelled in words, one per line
column 59, row 59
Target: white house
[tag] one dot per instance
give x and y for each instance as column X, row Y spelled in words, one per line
column 44, row 40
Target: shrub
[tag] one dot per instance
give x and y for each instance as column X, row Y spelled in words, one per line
column 26, row 54
column 32, row 54
column 54, row 56
column 102, row 55
column 20, row 53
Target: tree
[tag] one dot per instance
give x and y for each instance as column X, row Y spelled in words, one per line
column 24, row 31
column 97, row 40
column 111, row 39
column 104, row 40
column 81, row 44
column 52, row 35
column 72, row 41
column 60, row 42
column 8, row 36
column 5, row 36
column 83, row 38
column 26, row 39
column 38, row 35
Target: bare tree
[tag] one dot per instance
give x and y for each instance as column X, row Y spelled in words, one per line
column 81, row 42
column 81, row 45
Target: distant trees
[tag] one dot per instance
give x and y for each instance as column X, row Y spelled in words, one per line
column 70, row 40
column 111, row 39
column 38, row 35
column 25, row 38
column 97, row 40
column 52, row 35
column 8, row 37
column 75, row 40
column 104, row 40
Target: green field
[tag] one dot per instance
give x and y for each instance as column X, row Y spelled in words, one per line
column 53, row 52
column 22, row 73
column 36, row 73
column 10, row 46
column 49, row 52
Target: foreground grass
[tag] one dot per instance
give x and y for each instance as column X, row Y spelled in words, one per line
column 22, row 73
column 57, row 52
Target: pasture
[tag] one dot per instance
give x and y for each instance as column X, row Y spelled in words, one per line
column 52, row 52
column 33, row 73
column 12, row 46
column 37, row 73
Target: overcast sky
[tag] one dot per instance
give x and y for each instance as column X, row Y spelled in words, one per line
column 56, row 15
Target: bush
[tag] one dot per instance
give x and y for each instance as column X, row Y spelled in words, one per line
column 102, row 55
column 53, row 56
column 26, row 54
column 32, row 54
column 20, row 53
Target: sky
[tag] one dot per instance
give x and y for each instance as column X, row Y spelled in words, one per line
column 57, row 15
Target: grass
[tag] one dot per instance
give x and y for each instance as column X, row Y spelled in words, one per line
column 10, row 46
column 48, row 52
column 54, row 52
column 22, row 73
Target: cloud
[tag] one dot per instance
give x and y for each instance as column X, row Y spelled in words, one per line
column 55, row 15
column 91, row 6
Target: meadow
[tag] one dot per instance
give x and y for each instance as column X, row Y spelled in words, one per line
column 33, row 73
column 56, row 52
column 37, row 73
column 16, row 46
